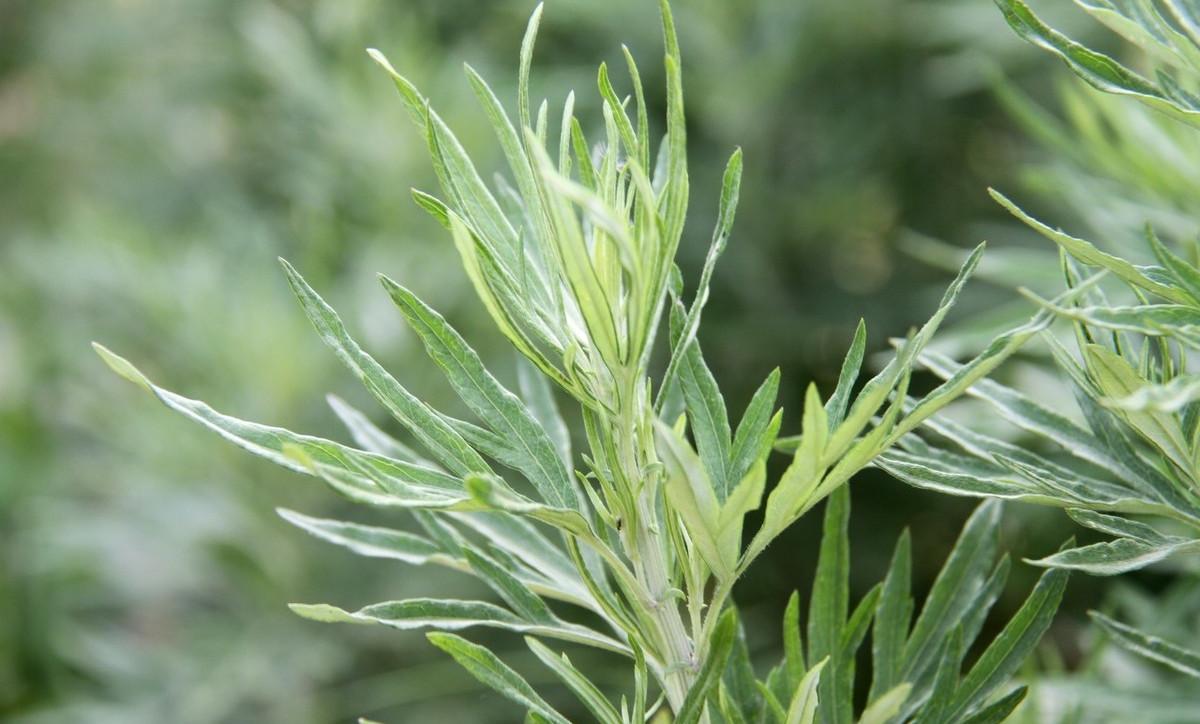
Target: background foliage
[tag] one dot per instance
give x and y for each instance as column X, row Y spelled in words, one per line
column 158, row 156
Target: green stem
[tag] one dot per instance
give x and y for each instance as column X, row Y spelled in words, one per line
column 679, row 672
column 646, row 549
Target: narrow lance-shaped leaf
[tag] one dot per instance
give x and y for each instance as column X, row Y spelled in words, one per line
column 804, row 705
column 835, row 408
column 793, row 648
column 1169, row 397
column 453, row 615
column 523, row 540
column 1117, row 379
column 709, row 675
column 892, row 619
column 368, row 435
column 885, row 707
column 504, row 306
column 539, row 397
column 758, row 429
column 489, row 669
column 372, row 478
column 953, row 589
column 800, row 480
column 878, row 388
column 1032, row 416
column 1088, row 254
column 1186, row 275
column 539, row 457
column 674, row 202
column 516, row 594
column 371, row 541
column 708, row 419
column 1098, row 70
column 1151, row 647
column 428, row 426
column 829, row 607
column 691, row 496
column 577, row 682
column 730, row 189
column 968, row 374
column 1008, row 651
column 999, row 710
column 1118, row 556
column 947, row 657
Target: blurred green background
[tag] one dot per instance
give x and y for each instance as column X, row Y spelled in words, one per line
column 157, row 155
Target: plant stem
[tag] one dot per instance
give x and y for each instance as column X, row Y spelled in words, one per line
column 679, row 671
column 645, row 547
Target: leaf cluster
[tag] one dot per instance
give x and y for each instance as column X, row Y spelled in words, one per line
column 1127, row 465
column 632, row 547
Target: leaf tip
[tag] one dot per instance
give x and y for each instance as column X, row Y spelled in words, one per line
column 382, row 60
column 122, row 366
column 325, row 613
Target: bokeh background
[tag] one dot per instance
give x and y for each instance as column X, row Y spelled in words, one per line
column 156, row 156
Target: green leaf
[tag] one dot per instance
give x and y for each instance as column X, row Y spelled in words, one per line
column 883, row 708
column 490, row 670
column 527, row 604
column 504, row 304
column 968, row 374
column 893, row 616
column 1098, row 70
column 876, row 391
column 675, row 192
column 855, row 631
column 1151, row 647
column 803, row 707
column 793, row 647
column 363, row 476
column 720, row 645
column 1087, row 253
column 1169, row 397
column 1118, row 556
column 730, row 186
column 746, row 497
column 708, row 419
column 1116, row 379
column 741, row 699
column 954, row 590
column 947, row 658
column 919, row 471
column 990, row 456
column 1153, row 320
column 1118, row 526
column 538, row 457
column 1037, row 419
column 835, row 408
column 756, row 432
column 1185, row 275
column 427, row 425
column 370, row 437
column 830, row 605
column 795, row 491
column 539, row 396
column 368, row 540
column 577, row 682
column 453, row 615
column 999, row 710
column 519, row 538
column 1008, row 650
column 377, row 481
column 692, row 497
